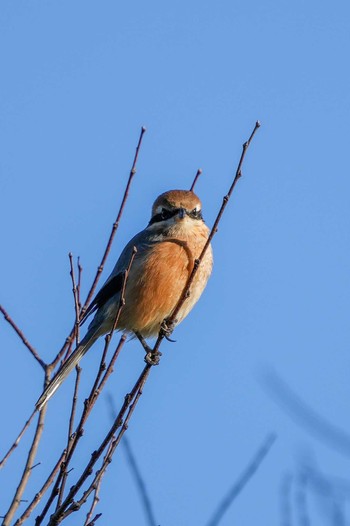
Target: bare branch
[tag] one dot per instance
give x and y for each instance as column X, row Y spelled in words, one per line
column 93, row 522
column 16, row 442
column 23, row 338
column 27, row 470
column 41, row 492
column 199, row 172
column 76, row 299
column 242, row 481
column 95, row 501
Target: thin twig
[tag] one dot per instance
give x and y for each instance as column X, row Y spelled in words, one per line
column 80, row 272
column 100, row 268
column 199, row 172
column 27, row 470
column 70, row 434
column 23, row 338
column 16, row 442
column 97, row 516
column 75, row 296
column 242, row 481
column 94, row 503
column 40, row 493
column 75, row 289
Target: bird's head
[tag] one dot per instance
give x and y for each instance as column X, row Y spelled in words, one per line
column 176, row 207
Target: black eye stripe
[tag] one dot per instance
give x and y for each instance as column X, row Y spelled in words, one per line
column 162, row 216
column 167, row 214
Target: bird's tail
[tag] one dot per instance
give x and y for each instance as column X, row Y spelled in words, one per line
column 66, row 368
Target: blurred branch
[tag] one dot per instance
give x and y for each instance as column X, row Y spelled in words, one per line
column 136, row 474
column 242, row 481
column 140, row 483
column 305, row 415
column 301, row 483
column 23, row 338
column 285, row 499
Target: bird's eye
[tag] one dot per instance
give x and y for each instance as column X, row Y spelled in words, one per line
column 195, row 214
column 164, row 213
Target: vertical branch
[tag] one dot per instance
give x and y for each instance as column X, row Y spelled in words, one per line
column 285, row 493
column 199, row 172
column 75, row 297
column 41, row 492
column 27, row 469
column 80, row 272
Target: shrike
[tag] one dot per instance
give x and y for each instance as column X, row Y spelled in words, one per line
column 166, row 251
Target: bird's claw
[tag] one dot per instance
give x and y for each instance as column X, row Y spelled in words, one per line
column 167, row 328
column 153, row 358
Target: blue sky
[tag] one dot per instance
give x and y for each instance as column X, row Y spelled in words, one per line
column 78, row 79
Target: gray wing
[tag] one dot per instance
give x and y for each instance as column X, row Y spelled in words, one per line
column 114, row 282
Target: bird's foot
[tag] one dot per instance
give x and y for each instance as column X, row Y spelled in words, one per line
column 153, row 357
column 167, row 328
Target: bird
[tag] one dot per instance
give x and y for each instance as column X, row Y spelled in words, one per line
column 166, row 251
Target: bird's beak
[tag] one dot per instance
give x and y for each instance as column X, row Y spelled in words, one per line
column 181, row 213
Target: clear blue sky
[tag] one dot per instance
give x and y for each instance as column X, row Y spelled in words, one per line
column 78, row 79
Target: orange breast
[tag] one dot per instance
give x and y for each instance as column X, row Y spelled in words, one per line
column 157, row 280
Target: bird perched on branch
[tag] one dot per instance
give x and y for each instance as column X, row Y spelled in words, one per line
column 166, row 252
